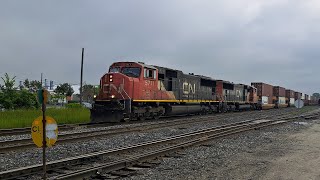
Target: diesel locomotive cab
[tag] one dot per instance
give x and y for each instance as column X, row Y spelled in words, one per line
column 116, row 92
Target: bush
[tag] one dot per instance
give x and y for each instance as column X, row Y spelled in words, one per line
column 19, row 99
column 73, row 102
column 73, row 105
column 11, row 98
column 26, row 100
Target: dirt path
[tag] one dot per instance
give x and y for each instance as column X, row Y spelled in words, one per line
column 302, row 161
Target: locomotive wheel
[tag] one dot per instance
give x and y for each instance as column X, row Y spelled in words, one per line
column 141, row 118
column 126, row 119
column 203, row 113
column 156, row 116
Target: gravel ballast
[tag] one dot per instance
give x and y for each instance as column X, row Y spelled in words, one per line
column 22, row 158
column 245, row 156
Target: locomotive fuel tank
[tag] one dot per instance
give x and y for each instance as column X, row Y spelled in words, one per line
column 183, row 109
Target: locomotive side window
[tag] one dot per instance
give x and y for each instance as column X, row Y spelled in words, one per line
column 150, row 73
column 145, row 72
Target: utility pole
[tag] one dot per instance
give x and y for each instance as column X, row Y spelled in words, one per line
column 41, row 79
column 81, row 76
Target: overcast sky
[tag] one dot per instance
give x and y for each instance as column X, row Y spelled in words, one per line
column 273, row 41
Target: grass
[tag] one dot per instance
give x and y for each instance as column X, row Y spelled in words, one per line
column 24, row 118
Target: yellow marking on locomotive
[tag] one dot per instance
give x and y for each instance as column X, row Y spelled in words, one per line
column 174, row 100
column 170, row 100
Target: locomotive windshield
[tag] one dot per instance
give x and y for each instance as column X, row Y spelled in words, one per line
column 131, row 71
column 114, row 69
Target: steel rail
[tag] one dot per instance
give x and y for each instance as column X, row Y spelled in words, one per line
column 11, row 145
column 55, row 164
column 20, row 131
column 125, row 162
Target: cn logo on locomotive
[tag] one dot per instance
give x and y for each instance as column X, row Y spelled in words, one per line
column 188, row 88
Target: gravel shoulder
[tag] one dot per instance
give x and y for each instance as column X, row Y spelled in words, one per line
column 302, row 160
column 290, row 151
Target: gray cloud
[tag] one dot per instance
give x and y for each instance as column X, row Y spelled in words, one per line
column 273, row 41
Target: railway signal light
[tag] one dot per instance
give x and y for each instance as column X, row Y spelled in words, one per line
column 42, row 96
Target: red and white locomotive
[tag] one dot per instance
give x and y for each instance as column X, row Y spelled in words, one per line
column 134, row 90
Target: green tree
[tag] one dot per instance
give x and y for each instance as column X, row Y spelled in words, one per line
column 35, row 84
column 64, row 89
column 26, row 83
column 26, row 100
column 10, row 98
column 55, row 98
column 8, row 92
column 8, row 83
column 87, row 92
column 70, row 91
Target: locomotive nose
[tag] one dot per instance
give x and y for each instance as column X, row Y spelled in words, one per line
column 113, row 86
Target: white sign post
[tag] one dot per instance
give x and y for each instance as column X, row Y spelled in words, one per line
column 299, row 103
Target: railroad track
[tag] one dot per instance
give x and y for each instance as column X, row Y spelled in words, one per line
column 94, row 164
column 18, row 144
column 65, row 127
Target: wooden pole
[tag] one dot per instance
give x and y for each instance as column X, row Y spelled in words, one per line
column 44, row 142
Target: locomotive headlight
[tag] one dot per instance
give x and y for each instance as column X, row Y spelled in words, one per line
column 112, row 96
column 111, row 76
column 94, row 96
column 110, row 80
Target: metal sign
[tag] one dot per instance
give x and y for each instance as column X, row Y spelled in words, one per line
column 51, row 131
column 299, row 103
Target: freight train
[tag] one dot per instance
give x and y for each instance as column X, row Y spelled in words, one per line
column 136, row 91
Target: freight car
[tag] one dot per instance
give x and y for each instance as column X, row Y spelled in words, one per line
column 314, row 100
column 290, row 97
column 265, row 94
column 136, row 91
column 279, row 97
